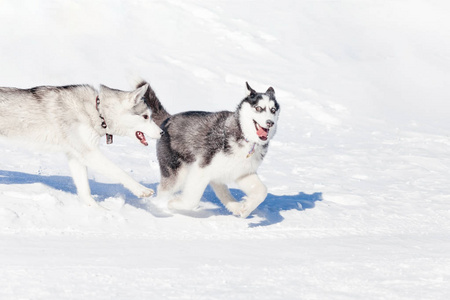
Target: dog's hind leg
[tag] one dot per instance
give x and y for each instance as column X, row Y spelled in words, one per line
column 223, row 193
column 256, row 192
column 166, row 190
column 98, row 162
column 192, row 191
column 171, row 184
column 81, row 181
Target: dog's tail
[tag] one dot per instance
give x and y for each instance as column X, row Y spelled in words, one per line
column 159, row 113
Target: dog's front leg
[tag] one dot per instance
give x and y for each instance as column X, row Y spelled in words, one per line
column 81, row 181
column 256, row 192
column 99, row 163
column 223, row 193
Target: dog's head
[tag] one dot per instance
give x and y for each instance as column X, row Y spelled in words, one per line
column 127, row 114
column 258, row 115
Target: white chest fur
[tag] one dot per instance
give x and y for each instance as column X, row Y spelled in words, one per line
column 244, row 159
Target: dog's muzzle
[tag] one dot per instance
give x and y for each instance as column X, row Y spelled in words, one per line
column 269, row 123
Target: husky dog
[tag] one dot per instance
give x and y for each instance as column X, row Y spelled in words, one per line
column 72, row 119
column 201, row 148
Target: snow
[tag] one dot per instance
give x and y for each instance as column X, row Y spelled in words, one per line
column 358, row 173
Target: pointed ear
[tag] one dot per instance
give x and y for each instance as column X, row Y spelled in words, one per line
column 252, row 91
column 270, row 91
column 139, row 93
column 104, row 87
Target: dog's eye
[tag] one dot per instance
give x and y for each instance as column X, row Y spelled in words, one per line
column 273, row 110
column 259, row 109
column 145, row 116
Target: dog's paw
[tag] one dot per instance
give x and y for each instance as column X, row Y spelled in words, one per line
column 178, row 203
column 243, row 208
column 145, row 193
column 148, row 193
column 234, row 207
column 240, row 209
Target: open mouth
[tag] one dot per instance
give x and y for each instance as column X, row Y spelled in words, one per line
column 261, row 131
column 141, row 137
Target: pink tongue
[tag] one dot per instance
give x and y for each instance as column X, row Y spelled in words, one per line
column 141, row 137
column 262, row 133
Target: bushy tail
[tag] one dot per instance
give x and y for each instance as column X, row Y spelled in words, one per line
column 159, row 113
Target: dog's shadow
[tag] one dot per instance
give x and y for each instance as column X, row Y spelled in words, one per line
column 102, row 191
column 269, row 212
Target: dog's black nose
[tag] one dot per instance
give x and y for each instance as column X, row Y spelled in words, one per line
column 269, row 123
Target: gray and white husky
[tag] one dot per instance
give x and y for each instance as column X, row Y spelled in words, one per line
column 72, row 119
column 201, row 148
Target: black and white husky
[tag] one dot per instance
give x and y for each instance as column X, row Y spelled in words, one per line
column 72, row 119
column 201, row 148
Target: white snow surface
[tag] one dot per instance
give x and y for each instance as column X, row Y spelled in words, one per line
column 358, row 172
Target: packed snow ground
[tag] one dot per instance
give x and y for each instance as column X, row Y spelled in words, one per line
column 358, row 173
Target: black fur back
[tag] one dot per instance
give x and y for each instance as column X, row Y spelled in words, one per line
column 196, row 135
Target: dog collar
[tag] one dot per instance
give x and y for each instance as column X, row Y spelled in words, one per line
column 109, row 137
column 252, row 150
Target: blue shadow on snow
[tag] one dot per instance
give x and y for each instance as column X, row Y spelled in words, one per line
column 269, row 211
column 65, row 184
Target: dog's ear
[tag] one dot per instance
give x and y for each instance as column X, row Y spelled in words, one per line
column 141, row 83
column 139, row 93
column 104, row 87
column 270, row 91
column 252, row 91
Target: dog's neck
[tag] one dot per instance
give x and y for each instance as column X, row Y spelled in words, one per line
column 252, row 150
column 109, row 137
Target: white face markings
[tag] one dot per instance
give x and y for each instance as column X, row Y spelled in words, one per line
column 129, row 115
column 259, row 121
column 266, row 105
column 143, row 125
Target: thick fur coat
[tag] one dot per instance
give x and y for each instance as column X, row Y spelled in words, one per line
column 72, row 119
column 216, row 148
